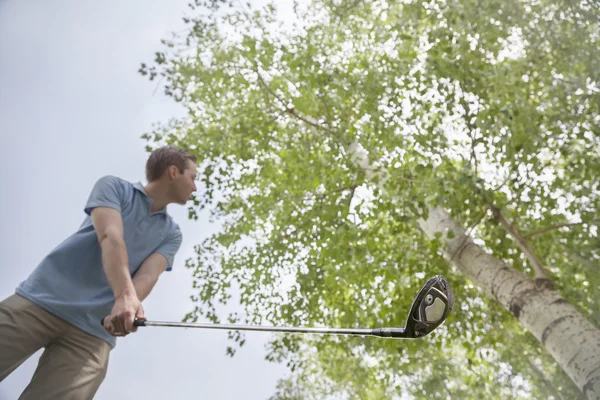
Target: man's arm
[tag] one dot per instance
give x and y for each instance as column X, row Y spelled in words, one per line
column 147, row 276
column 109, row 228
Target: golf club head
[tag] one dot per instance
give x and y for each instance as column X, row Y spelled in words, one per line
column 430, row 308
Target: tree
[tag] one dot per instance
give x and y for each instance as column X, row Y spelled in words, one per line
column 376, row 143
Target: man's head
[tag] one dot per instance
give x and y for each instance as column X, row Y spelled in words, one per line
column 173, row 170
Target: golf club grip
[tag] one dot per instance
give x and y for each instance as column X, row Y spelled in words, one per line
column 136, row 322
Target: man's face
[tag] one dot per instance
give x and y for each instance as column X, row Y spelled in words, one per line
column 184, row 183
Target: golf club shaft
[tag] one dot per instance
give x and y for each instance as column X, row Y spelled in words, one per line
column 381, row 332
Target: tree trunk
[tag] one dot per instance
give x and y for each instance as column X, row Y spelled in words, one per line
column 569, row 337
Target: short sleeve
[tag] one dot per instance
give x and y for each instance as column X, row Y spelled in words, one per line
column 170, row 246
column 108, row 191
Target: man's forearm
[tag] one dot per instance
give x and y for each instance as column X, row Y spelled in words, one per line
column 143, row 284
column 116, row 266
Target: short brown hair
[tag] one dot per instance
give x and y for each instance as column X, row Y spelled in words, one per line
column 163, row 157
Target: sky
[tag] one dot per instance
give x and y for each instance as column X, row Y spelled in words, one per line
column 72, row 109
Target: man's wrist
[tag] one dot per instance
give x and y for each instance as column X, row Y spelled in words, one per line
column 126, row 294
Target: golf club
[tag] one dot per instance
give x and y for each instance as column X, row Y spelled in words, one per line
column 429, row 309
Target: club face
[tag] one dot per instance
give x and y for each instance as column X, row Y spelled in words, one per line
column 430, row 308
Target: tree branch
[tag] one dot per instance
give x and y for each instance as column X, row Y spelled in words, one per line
column 290, row 110
column 327, row 109
column 353, row 187
column 319, row 206
column 378, row 168
column 310, row 218
column 350, row 200
column 579, row 258
column 535, row 262
column 471, row 134
column 323, row 195
column 547, row 384
column 551, row 228
column 347, row 9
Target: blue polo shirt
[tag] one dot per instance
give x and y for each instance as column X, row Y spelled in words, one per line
column 70, row 281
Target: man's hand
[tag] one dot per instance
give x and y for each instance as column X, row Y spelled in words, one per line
column 120, row 321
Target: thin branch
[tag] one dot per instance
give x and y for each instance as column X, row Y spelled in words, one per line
column 415, row 180
column 327, row 109
column 504, row 182
column 290, row 110
column 279, row 113
column 552, row 160
column 319, row 206
column 157, row 85
column 347, row 9
column 471, row 134
column 579, row 258
column 264, row 84
column 313, row 211
column 547, row 384
column 309, row 120
column 350, row 199
column 552, row 228
column 343, row 189
column 323, row 195
column 535, row 262
column 399, row 177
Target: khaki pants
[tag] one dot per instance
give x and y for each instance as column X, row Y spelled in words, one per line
column 73, row 364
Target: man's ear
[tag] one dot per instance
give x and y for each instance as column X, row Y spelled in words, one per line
column 172, row 171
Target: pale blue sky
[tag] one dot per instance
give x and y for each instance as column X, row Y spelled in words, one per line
column 72, row 109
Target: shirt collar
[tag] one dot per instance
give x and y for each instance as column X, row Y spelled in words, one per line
column 140, row 187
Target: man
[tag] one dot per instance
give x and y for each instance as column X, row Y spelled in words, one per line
column 103, row 270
